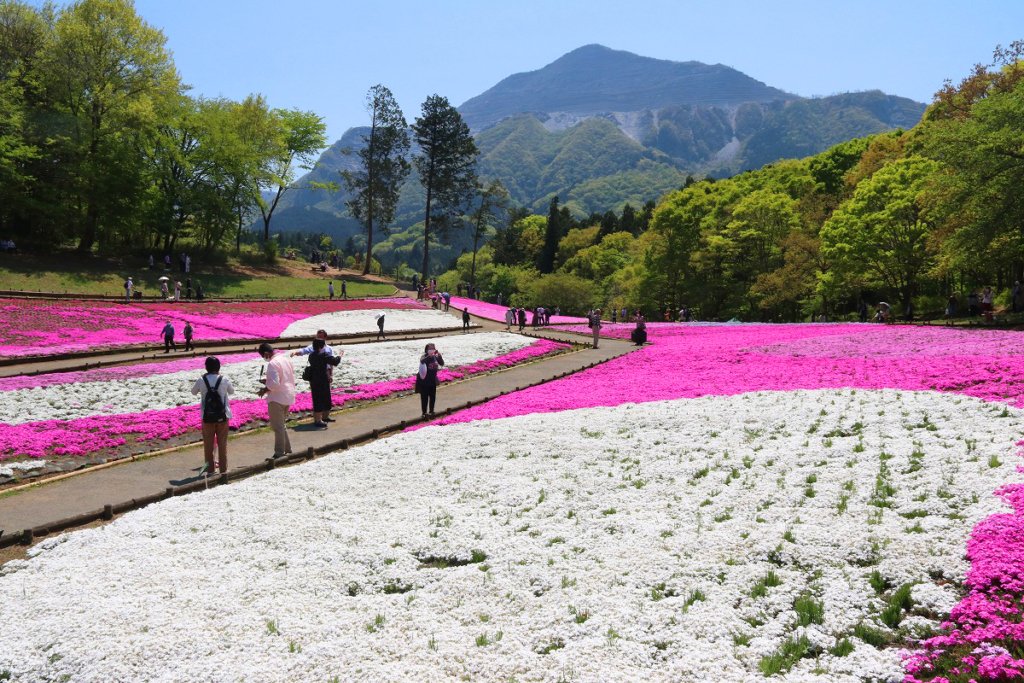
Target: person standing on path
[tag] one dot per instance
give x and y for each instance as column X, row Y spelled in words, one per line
column 499, row 298
column 330, row 351
column 509, row 315
column 188, row 265
column 128, row 286
column 168, row 335
column 163, row 290
column 151, row 264
column 188, row 288
column 216, row 413
column 279, row 390
column 986, row 304
column 426, row 378
column 522, row 319
column 167, row 262
column 595, row 326
column 380, row 327
column 330, row 290
column 177, row 292
column 465, row 319
column 320, row 382
column 344, row 290
column 188, row 332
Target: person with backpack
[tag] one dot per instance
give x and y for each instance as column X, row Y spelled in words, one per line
column 216, row 414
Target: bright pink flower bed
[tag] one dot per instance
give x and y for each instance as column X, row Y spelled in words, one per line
column 496, row 312
column 29, row 328
column 88, row 435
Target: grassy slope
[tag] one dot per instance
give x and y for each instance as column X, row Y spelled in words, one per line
column 76, row 275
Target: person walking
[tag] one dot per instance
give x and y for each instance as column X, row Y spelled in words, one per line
column 426, row 378
column 951, row 308
column 320, row 382
column 330, row 290
column 216, row 414
column 595, row 326
column 522, row 318
column 163, row 290
column 614, row 314
column 986, row 304
column 168, row 335
column 509, row 315
column 279, row 390
column 128, row 287
column 188, row 332
column 380, row 327
column 344, row 290
column 465, row 319
column 177, row 292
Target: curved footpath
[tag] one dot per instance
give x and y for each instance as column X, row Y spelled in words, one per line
column 38, row 506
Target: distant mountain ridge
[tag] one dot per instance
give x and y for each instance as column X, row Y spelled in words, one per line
column 601, row 127
column 594, row 79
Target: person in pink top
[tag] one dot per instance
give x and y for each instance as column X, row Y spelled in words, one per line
column 279, row 390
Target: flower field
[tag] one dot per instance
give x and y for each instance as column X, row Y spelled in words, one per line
column 104, row 408
column 29, row 328
column 497, row 313
column 729, row 503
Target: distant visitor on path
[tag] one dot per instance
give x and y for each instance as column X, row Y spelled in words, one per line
column 216, row 413
column 320, row 382
column 199, row 292
column 279, row 390
column 188, row 332
column 344, row 290
column 177, row 291
column 330, row 290
column 639, row 333
column 522, row 319
column 499, row 298
column 380, row 326
column 951, row 307
column 882, row 312
column 152, row 266
column 465, row 319
column 163, row 289
column 128, row 287
column 168, row 334
column 862, row 311
column 595, row 326
column 510, row 314
column 426, row 378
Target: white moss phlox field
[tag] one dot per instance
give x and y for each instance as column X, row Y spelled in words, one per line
column 361, row 364
column 365, row 321
column 604, row 544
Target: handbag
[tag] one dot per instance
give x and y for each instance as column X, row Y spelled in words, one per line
column 307, row 373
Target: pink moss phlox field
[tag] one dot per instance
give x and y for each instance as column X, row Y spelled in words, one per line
column 686, row 361
column 88, row 435
column 496, row 312
column 984, row 637
column 37, row 328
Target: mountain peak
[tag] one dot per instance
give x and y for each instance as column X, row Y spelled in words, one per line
column 595, row 79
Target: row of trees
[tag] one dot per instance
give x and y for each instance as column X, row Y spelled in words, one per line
column 908, row 216
column 101, row 144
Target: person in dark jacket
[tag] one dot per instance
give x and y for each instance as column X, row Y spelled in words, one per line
column 426, row 378
column 320, row 382
column 465, row 319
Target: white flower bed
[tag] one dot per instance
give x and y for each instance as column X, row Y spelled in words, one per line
column 361, row 364
column 365, row 321
column 610, row 544
column 14, row 467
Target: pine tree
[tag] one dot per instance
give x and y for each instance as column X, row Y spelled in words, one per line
column 376, row 184
column 552, row 235
column 446, row 165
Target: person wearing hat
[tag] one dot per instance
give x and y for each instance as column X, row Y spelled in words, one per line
column 128, row 287
column 595, row 326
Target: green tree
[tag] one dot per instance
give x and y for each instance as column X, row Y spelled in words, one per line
column 106, row 71
column 573, row 295
column 491, row 201
column 383, row 168
column 552, row 236
column 446, row 164
column 881, row 231
column 302, row 134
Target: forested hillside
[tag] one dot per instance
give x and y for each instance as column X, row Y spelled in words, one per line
column 909, row 217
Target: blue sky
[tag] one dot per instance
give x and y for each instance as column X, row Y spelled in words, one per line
column 325, row 55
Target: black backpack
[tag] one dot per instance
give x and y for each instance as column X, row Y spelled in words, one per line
column 213, row 404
